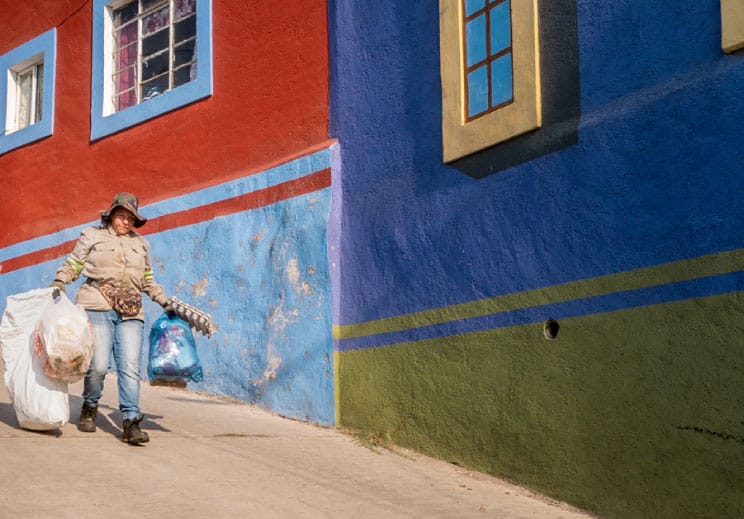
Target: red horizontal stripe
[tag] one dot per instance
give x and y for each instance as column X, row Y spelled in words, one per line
column 253, row 200
column 39, row 256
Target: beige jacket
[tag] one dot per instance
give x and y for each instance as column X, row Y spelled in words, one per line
column 103, row 256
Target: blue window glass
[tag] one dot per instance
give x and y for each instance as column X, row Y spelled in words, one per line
column 500, row 28
column 501, row 80
column 475, row 39
column 472, row 6
column 478, row 91
column 488, row 61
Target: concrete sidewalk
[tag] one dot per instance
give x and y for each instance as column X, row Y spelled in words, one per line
column 212, row 458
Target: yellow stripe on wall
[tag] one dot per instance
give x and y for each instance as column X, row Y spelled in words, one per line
column 682, row 270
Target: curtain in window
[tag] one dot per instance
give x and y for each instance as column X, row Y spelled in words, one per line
column 126, row 79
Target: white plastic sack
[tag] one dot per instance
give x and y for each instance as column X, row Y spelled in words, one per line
column 40, row 403
column 64, row 340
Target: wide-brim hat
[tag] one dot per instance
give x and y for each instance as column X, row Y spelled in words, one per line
column 127, row 201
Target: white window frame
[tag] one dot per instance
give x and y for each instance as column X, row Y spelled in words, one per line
column 39, row 51
column 30, row 66
column 106, row 121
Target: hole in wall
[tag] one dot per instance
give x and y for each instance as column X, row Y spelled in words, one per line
column 550, row 329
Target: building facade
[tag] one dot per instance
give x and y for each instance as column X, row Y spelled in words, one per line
column 506, row 233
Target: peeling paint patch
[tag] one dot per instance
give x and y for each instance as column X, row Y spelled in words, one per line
column 272, row 364
column 200, row 288
column 293, row 273
column 258, row 236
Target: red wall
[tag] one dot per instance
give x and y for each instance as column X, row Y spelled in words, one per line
column 270, row 99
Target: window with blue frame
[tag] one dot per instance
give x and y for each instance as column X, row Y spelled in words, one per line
column 489, row 58
column 488, row 51
column 27, row 92
column 149, row 57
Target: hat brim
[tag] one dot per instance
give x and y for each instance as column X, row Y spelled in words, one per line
column 139, row 220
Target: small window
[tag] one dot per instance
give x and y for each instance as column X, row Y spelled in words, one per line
column 490, row 73
column 27, row 94
column 26, row 99
column 154, row 49
column 149, row 57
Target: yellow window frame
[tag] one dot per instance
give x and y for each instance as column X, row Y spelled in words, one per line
column 460, row 137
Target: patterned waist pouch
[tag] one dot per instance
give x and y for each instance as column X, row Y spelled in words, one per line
column 127, row 302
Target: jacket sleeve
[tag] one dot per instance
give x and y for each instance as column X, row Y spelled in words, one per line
column 150, row 286
column 75, row 262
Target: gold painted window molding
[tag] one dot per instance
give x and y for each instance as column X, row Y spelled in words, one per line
column 460, row 137
column 732, row 25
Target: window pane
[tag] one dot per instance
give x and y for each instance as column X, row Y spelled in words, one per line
column 39, row 91
column 154, row 66
column 126, row 35
column 127, row 99
column 500, row 28
column 185, row 29
column 154, row 87
column 184, row 8
column 501, row 80
column 475, row 40
column 155, row 21
column 183, row 53
column 125, row 79
column 125, row 14
column 472, row 6
column 181, row 76
column 477, row 91
column 149, row 4
column 125, row 57
column 155, row 43
column 25, row 82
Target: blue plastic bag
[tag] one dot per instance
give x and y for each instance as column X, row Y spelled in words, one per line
column 173, row 355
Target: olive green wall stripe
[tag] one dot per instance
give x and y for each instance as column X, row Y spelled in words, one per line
column 714, row 264
column 336, row 379
column 636, row 413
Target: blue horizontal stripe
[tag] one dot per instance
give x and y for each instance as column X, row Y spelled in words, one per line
column 294, row 169
column 679, row 291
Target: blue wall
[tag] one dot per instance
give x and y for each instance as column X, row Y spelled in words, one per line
column 655, row 175
column 621, row 216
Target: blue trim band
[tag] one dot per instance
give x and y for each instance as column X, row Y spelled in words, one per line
column 667, row 293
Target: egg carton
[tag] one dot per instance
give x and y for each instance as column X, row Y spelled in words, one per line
column 200, row 321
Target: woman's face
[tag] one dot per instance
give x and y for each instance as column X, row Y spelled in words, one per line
column 122, row 220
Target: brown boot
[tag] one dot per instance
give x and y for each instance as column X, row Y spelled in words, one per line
column 87, row 422
column 132, row 433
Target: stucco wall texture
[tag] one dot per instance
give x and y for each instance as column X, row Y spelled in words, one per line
column 628, row 234
column 236, row 186
column 270, row 73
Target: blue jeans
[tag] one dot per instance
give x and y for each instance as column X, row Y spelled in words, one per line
column 111, row 333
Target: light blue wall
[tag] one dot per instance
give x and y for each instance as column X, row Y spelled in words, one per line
column 263, row 276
